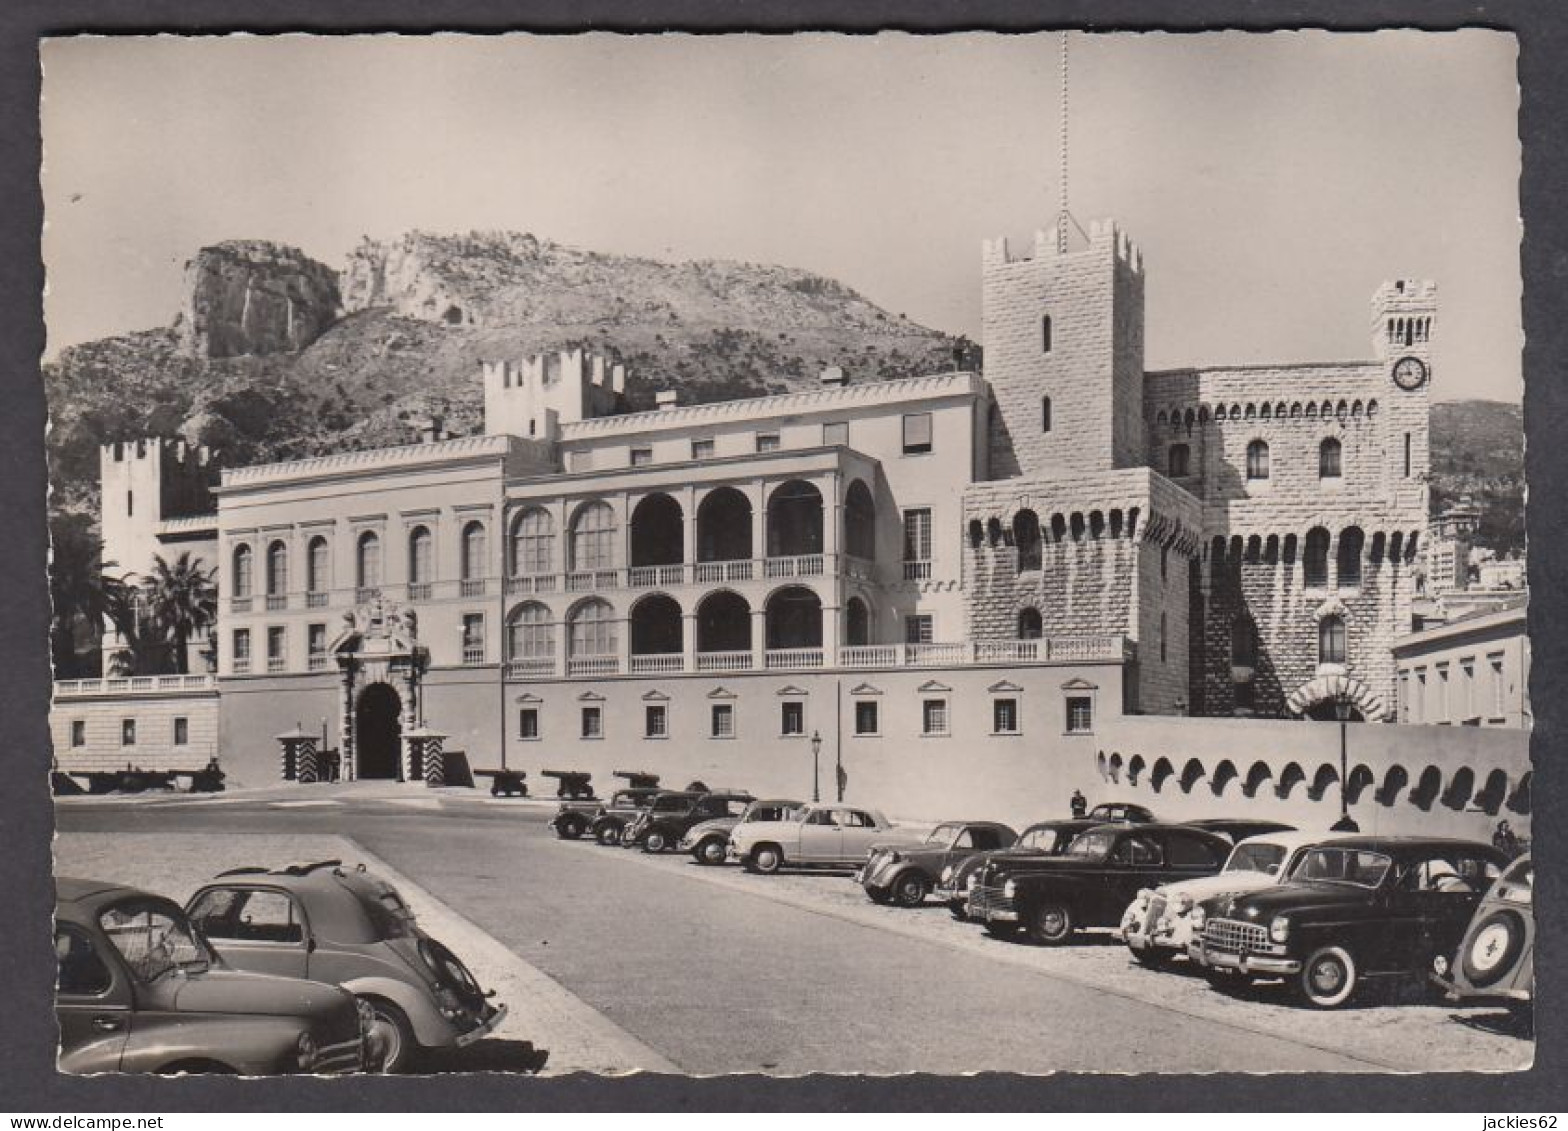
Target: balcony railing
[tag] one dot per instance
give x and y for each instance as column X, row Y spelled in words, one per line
column 533, row 583
column 792, row 659
column 239, row 604
column 134, row 685
column 318, row 662
column 724, row 661
column 276, row 601
column 420, row 590
column 276, row 665
column 917, row 571
column 660, row 662
column 315, row 600
column 472, row 587
column 707, row 572
column 533, row 666
column 641, row 577
column 473, row 653
column 241, row 665
column 366, row 593
column 593, row 665
column 802, row 565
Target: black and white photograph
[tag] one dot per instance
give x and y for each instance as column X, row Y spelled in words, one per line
column 791, row 554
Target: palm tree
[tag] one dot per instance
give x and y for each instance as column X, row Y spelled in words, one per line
column 183, row 601
column 81, row 590
column 125, row 607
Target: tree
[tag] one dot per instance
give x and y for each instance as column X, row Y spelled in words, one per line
column 81, row 590
column 183, row 601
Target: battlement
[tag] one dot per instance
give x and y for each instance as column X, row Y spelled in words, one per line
column 1103, row 235
column 175, row 453
column 1404, row 292
column 533, row 397
column 546, row 370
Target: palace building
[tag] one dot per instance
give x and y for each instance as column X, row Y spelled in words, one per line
column 922, row 569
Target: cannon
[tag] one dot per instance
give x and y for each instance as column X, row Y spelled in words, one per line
column 575, row 785
column 639, row 779
column 505, row 783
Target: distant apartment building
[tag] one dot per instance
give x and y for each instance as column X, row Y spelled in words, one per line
column 1473, row 670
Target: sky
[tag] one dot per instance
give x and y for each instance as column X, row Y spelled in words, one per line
column 1271, row 180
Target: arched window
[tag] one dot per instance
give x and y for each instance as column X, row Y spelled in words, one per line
column 474, row 548
column 1030, row 626
column 1314, row 562
column 593, row 537
column 1045, row 414
column 1351, row 540
column 530, row 634
column 368, row 561
column 1331, row 640
column 244, row 571
column 421, row 568
column 533, row 543
column 1026, row 536
column 1243, row 643
column 1329, row 459
column 318, row 568
column 277, row 569
column 1177, row 461
column 1257, row 460
column 860, row 522
column 593, row 629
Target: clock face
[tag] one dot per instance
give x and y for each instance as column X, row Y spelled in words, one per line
column 1410, row 373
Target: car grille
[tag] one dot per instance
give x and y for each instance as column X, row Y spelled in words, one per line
column 349, row 1056
column 984, row 898
column 1239, row 938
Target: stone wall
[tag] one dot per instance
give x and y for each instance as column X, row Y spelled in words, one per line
column 154, row 747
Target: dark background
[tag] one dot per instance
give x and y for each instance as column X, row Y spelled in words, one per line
column 28, row 1082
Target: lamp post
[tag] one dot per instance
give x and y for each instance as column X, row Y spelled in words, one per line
column 1346, row 823
column 816, row 783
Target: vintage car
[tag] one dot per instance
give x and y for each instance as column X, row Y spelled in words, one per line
column 1111, row 811
column 1092, row 882
column 1496, row 958
column 574, row 818
column 823, row 835
column 1354, row 908
column 1238, row 829
column 709, row 841
column 1157, row 925
column 905, row 875
column 1045, row 838
column 662, row 824
column 348, row 927
column 139, row 991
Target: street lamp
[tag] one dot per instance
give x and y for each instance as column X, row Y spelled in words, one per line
column 816, row 783
column 1346, row 823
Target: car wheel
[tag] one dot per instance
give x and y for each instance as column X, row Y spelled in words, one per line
column 711, row 852
column 767, row 859
column 1051, row 924
column 1328, row 977
column 879, row 895
column 609, row 835
column 911, row 889
column 1493, row 948
column 655, row 841
column 569, row 830
column 394, row 1033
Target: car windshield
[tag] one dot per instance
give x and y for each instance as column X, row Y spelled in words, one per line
column 1265, row 858
column 1041, row 836
column 1343, row 866
column 623, row 800
column 774, row 813
column 1092, row 845
column 943, row 834
column 390, row 917
column 153, row 938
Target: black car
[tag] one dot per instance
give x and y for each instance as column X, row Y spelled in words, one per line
column 623, row 808
column 1044, row 838
column 1353, row 908
column 574, row 818
column 1110, row 811
column 1238, row 829
column 671, row 815
column 1092, row 883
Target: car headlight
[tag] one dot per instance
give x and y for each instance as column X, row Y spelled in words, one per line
column 1009, row 889
column 1440, row 965
column 305, row 1052
column 1199, row 917
column 1183, row 905
column 1279, row 929
column 947, row 873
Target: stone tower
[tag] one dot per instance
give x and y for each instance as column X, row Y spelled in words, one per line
column 1064, row 354
column 1404, row 321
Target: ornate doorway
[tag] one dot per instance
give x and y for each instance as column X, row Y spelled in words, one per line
column 378, row 731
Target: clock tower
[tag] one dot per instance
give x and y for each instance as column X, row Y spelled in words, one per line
column 1404, row 320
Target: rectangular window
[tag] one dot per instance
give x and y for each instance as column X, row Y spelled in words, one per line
column 1004, row 716
column 182, row 731
column 917, row 433
column 1418, row 704
column 316, row 642
column 642, row 457
column 933, row 716
column 866, row 721
column 836, row 434
column 1467, row 688
column 1045, row 337
column 702, row 449
column 1045, row 414
column 473, row 638
column 917, row 544
column 723, row 720
column 919, row 628
column 1080, row 714
column 767, row 441
column 1407, row 455
column 1246, row 695
column 528, row 722
column 242, row 649
column 1495, row 662
column 127, row 732
column 1442, row 693
column 593, row 722
column 792, row 718
column 655, row 721
column 78, row 732
column 277, row 651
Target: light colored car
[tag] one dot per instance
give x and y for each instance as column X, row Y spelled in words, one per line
column 1157, row 925
column 824, row 835
column 709, row 842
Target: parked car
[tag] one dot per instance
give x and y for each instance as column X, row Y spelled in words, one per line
column 709, row 841
column 1354, row 908
column 1238, row 829
column 140, row 991
column 1111, row 811
column 1496, row 959
column 1045, row 838
column 1157, row 925
column 824, row 834
column 611, row 821
column 574, row 818
column 1089, row 885
column 905, row 875
column 662, row 824
column 348, row 927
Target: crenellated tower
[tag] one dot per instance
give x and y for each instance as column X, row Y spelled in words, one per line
column 533, row 397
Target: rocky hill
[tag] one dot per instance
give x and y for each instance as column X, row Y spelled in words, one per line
column 1478, row 453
